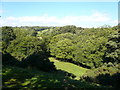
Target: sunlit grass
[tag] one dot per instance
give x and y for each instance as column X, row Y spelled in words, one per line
column 69, row 67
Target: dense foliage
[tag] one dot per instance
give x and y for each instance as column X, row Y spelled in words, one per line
column 61, row 46
column 108, row 74
column 7, row 36
column 25, row 50
column 30, row 47
column 83, row 46
column 113, row 48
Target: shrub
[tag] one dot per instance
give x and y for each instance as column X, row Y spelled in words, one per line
column 104, row 75
column 36, row 61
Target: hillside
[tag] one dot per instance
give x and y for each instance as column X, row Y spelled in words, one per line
column 83, row 57
column 14, row 77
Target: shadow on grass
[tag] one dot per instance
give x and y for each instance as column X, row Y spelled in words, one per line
column 19, row 78
column 14, row 77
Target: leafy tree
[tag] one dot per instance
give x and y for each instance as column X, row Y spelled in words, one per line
column 68, row 29
column 23, row 32
column 108, row 74
column 90, row 52
column 113, row 48
column 38, row 61
column 22, row 48
column 60, row 30
column 63, row 49
column 7, row 36
column 28, row 53
column 7, row 59
column 61, row 46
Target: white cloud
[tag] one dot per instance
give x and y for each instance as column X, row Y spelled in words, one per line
column 115, row 21
column 94, row 20
column 100, row 17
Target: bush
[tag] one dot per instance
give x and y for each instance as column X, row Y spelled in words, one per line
column 7, row 59
column 37, row 61
column 104, row 75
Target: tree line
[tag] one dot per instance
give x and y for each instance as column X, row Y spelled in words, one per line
column 89, row 47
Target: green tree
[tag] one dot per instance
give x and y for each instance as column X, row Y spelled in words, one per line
column 22, row 48
column 113, row 48
column 61, row 46
column 7, row 36
column 90, row 52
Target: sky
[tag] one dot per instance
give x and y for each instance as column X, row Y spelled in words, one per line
column 81, row 14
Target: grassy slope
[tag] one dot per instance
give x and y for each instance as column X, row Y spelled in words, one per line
column 14, row 77
column 69, row 67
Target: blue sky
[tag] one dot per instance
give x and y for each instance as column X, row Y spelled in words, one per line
column 84, row 14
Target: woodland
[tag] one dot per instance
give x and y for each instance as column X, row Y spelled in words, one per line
column 67, row 57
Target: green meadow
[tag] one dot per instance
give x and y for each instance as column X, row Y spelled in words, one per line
column 69, row 67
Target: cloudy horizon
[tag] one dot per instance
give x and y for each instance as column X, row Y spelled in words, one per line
column 59, row 14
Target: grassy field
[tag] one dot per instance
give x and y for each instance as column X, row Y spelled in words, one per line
column 69, row 67
column 14, row 77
